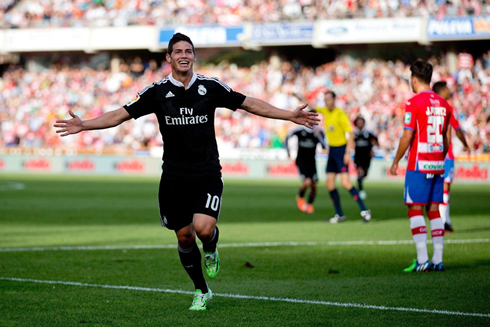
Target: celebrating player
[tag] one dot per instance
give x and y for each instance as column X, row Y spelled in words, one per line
column 337, row 125
column 308, row 140
column 443, row 91
column 365, row 140
column 427, row 117
column 191, row 185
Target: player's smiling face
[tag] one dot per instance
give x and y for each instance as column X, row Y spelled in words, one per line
column 182, row 57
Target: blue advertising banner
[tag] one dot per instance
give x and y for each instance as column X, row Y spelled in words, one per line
column 204, row 36
column 460, row 28
column 294, row 33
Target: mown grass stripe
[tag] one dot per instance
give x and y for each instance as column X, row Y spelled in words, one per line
column 249, row 297
column 234, row 245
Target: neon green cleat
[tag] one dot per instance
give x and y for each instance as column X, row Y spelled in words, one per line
column 418, row 267
column 212, row 263
column 200, row 300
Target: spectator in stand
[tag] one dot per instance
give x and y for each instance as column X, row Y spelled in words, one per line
column 373, row 88
column 84, row 13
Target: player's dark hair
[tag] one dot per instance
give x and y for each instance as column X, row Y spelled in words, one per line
column 439, row 86
column 332, row 93
column 422, row 71
column 359, row 118
column 177, row 38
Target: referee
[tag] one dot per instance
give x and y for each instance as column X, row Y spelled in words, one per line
column 191, row 185
column 337, row 125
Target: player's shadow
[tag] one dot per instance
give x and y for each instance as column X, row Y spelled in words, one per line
column 478, row 263
column 472, row 230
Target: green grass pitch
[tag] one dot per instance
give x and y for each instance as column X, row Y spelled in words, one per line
column 90, row 251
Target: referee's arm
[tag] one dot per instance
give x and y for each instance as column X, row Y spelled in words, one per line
column 265, row 109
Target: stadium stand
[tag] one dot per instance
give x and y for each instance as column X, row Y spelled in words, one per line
column 84, row 13
column 374, row 88
column 31, row 99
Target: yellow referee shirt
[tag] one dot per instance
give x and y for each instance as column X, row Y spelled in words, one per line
column 337, row 124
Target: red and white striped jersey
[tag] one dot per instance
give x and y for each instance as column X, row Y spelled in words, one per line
column 428, row 116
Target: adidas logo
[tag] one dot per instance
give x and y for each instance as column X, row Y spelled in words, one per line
column 170, row 94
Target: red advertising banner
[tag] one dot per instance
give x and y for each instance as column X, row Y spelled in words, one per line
column 236, row 168
column 40, row 164
column 81, row 165
column 283, row 169
column 130, row 166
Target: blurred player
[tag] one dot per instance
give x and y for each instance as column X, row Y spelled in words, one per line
column 337, row 125
column 365, row 140
column 443, row 91
column 308, row 139
column 427, row 117
column 191, row 185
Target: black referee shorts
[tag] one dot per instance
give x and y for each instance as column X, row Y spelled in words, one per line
column 180, row 199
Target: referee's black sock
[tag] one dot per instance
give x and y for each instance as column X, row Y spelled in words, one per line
column 210, row 246
column 191, row 261
column 334, row 195
column 355, row 196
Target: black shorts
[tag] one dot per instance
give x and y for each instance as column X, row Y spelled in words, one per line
column 180, row 199
column 363, row 162
column 307, row 171
column 335, row 162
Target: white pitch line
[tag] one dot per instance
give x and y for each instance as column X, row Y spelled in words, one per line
column 234, row 245
column 250, row 297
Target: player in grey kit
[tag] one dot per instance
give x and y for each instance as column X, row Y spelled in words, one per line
column 191, row 185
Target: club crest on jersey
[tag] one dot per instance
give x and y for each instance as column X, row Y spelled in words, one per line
column 201, row 90
column 408, row 117
column 133, row 100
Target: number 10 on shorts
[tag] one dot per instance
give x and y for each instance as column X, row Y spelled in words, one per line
column 212, row 202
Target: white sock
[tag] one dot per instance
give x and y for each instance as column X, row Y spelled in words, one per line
column 444, row 209
column 419, row 234
column 437, row 227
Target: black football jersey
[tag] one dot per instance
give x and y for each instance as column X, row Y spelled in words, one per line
column 364, row 142
column 307, row 143
column 186, row 121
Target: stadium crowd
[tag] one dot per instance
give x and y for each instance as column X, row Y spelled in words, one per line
column 83, row 13
column 375, row 89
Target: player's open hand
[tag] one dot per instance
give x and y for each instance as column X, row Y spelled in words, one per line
column 306, row 118
column 69, row 126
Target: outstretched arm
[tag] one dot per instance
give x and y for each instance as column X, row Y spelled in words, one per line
column 402, row 148
column 264, row 109
column 76, row 125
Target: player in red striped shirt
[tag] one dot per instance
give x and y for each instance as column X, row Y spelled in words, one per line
column 427, row 117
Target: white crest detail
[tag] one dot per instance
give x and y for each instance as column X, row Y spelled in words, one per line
column 201, row 90
column 170, row 94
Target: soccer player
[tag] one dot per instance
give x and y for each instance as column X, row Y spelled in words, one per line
column 443, row 91
column 308, row 139
column 337, row 125
column 365, row 140
column 191, row 185
column 427, row 117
